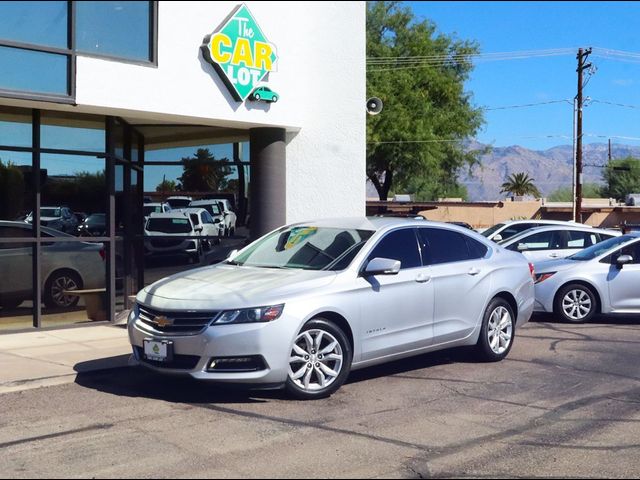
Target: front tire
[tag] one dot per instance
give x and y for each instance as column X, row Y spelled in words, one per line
column 55, row 287
column 497, row 332
column 575, row 303
column 319, row 362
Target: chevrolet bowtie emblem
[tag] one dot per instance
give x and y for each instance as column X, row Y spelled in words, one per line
column 163, row 321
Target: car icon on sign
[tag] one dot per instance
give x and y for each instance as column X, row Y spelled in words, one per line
column 265, row 94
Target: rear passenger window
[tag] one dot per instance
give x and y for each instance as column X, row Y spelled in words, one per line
column 443, row 246
column 476, row 249
column 399, row 245
column 581, row 239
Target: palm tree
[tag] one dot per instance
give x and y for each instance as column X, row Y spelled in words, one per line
column 520, row 184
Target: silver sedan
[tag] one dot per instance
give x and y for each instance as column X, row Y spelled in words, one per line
column 306, row 304
column 604, row 278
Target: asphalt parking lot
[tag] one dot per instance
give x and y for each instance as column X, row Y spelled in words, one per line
column 566, row 403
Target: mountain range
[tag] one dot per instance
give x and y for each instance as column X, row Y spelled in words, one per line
column 551, row 169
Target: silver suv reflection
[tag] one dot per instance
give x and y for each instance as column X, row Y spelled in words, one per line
column 304, row 305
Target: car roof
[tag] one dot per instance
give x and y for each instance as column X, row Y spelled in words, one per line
column 378, row 223
column 546, row 222
column 179, row 197
column 190, row 210
column 155, row 204
column 206, row 201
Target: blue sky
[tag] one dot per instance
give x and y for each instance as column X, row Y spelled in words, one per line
column 525, row 26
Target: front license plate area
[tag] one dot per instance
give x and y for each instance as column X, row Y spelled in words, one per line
column 158, row 350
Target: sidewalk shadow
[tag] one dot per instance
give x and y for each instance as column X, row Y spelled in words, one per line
column 113, row 376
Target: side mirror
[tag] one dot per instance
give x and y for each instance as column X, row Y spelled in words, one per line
column 624, row 260
column 382, row 266
column 216, row 220
column 198, row 228
column 497, row 238
column 523, row 247
column 232, row 254
column 226, row 214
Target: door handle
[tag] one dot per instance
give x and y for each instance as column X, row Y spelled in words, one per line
column 474, row 271
column 422, row 278
column 554, row 255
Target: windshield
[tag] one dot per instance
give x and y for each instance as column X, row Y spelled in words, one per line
column 178, row 202
column 96, row 219
column 50, row 212
column 169, row 225
column 305, row 247
column 490, row 231
column 600, row 248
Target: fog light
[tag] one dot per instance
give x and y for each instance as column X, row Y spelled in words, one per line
column 237, row 364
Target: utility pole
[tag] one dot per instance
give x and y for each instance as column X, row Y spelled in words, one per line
column 609, row 150
column 582, row 65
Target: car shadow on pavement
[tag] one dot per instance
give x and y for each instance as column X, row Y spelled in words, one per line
column 597, row 319
column 139, row 382
column 427, row 360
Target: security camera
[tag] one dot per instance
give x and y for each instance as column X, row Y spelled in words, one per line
column 374, row 106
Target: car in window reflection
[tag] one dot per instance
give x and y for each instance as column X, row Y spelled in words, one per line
column 164, row 235
column 58, row 218
column 305, row 304
column 66, row 265
column 506, row 230
column 95, row 225
column 558, row 241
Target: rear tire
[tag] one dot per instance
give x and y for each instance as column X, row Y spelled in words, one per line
column 497, row 332
column 319, row 362
column 575, row 303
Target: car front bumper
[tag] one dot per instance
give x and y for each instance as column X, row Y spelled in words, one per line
column 193, row 354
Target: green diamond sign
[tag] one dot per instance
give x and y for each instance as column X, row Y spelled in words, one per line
column 240, row 52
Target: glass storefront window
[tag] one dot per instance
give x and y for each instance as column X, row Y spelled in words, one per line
column 37, row 72
column 157, row 153
column 68, row 266
column 67, row 131
column 73, row 186
column 119, row 29
column 17, row 194
column 15, row 127
column 35, row 22
column 16, row 281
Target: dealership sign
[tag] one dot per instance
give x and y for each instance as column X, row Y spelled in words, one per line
column 240, row 52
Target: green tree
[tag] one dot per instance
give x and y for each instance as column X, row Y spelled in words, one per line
column 417, row 141
column 565, row 194
column 167, row 186
column 204, row 173
column 621, row 178
column 520, row 184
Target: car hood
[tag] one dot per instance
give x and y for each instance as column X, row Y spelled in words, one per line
column 556, row 265
column 228, row 287
column 49, row 219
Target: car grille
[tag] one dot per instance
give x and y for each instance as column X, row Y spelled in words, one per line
column 181, row 323
column 179, row 362
column 165, row 242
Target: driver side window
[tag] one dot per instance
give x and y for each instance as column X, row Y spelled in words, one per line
column 632, row 250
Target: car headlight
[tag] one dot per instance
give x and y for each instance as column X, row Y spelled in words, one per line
column 133, row 314
column 250, row 315
column 541, row 277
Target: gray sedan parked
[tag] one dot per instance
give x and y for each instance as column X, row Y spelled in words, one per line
column 65, row 266
column 604, row 278
column 307, row 303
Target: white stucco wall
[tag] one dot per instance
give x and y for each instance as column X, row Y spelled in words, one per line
column 320, row 79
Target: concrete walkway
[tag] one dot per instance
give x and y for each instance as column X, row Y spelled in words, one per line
column 44, row 358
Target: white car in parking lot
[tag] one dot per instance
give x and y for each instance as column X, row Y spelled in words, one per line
column 204, row 224
column 307, row 303
column 505, row 230
column 604, row 278
column 557, row 241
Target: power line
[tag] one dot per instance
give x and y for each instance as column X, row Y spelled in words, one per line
column 447, row 140
column 507, row 107
column 637, row 107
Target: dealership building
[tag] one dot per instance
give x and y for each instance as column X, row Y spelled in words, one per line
column 108, row 107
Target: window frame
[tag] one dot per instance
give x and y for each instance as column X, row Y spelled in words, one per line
column 367, row 258
column 72, row 54
column 427, row 260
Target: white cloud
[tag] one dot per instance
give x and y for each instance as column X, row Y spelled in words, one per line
column 623, row 82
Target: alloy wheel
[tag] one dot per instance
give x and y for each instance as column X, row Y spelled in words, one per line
column 316, row 360
column 500, row 330
column 58, row 287
column 577, row 304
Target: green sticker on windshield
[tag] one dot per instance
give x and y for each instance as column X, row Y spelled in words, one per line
column 298, row 234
